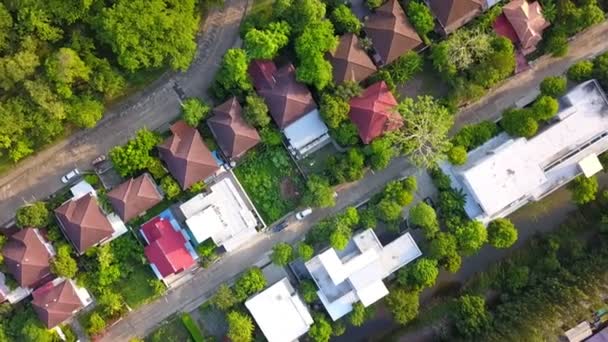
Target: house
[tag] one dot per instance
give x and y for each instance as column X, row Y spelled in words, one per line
column 291, row 106
column 355, row 274
column 391, row 33
column 224, row 214
column 350, row 63
column 506, row 172
column 452, row 14
column 58, row 300
column 523, row 23
column 280, row 312
column 187, row 157
column 232, row 133
column 373, row 112
column 133, row 197
column 85, row 224
column 27, row 257
column 168, row 249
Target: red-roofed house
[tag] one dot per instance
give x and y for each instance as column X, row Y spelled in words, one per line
column 523, row 23
column 27, row 256
column 59, row 300
column 168, row 251
column 232, row 133
column 133, row 197
column 374, row 112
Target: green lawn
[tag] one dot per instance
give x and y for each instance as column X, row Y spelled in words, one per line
column 261, row 173
column 136, row 290
column 171, row 331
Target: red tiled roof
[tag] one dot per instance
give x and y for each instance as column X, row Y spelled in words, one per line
column 391, row 32
column 134, row 196
column 56, row 303
column 373, row 112
column 527, row 21
column 453, row 14
column 233, row 134
column 503, row 27
column 186, row 155
column 287, row 99
column 166, row 248
column 26, row 257
column 350, row 62
column 83, row 222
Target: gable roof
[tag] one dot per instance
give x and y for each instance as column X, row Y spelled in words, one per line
column 166, row 248
column 287, row 99
column 26, row 257
column 186, row 155
column 527, row 21
column 453, row 14
column 350, row 62
column 83, row 222
column 373, row 112
column 56, row 303
column 391, row 32
column 233, row 134
column 134, row 196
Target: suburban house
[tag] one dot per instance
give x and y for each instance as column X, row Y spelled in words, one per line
column 187, row 157
column 85, row 224
column 391, row 33
column 280, row 312
column 232, row 133
column 452, row 14
column 224, row 214
column 291, row 106
column 350, row 63
column 523, row 23
column 506, row 173
column 27, row 257
column 168, row 249
column 373, row 112
column 133, row 197
column 59, row 300
column 356, row 273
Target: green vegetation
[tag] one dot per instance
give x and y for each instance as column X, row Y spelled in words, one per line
column 318, row 193
column 265, row 44
column 583, row 189
column 335, row 231
column 321, row 330
column 173, row 330
column 240, row 327
column 282, row 254
column 250, row 282
column 135, row 155
column 554, row 86
column 63, row 264
column 34, row 215
column 345, row 21
column 580, row 71
column 194, row 110
column 502, row 233
column 470, row 315
column 421, row 18
column 193, row 328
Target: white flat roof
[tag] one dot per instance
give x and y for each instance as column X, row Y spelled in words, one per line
column 280, row 313
column 80, row 189
column 305, row 130
column 590, row 165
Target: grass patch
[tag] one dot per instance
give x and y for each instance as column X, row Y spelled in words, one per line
column 262, row 173
column 261, row 6
column 171, row 331
column 192, row 327
column 136, row 290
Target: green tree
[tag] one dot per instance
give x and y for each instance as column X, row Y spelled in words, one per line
column 194, row 110
column 380, row 153
column 232, row 75
column 64, row 67
column 318, row 193
column 424, row 216
column 321, row 329
column 405, row 66
column 6, row 24
column 111, row 303
column 472, row 136
column 170, row 187
column 304, row 13
column 600, row 69
column 135, row 155
column 340, row 237
column 310, row 46
column 403, row 305
column 33, row 215
column 402, row 192
column 544, row 108
column 388, row 210
column 470, row 315
column 347, row 134
column 502, row 233
column 334, row 110
column 345, row 20
column 338, row 328
column 452, row 262
column 471, row 236
column 96, row 324
column 157, row 286
column 16, row 68
column 347, row 90
column 224, row 298
column 460, row 51
column 557, row 43
column 554, row 86
column 265, row 44
column 308, row 289
column 373, row 4
column 250, row 282
column 443, row 245
column 583, row 189
column 85, row 111
column 519, row 123
column 305, row 251
column 282, row 254
column 359, row 315
column 63, row 265
column 240, row 327
column 423, row 273
column 457, row 155
column 256, row 111
column 580, row 71
column 421, row 17
column 150, row 33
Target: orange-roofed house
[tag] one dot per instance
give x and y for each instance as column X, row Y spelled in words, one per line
column 527, row 22
column 374, row 112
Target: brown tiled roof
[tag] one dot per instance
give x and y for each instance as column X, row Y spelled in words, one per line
column 262, row 73
column 527, row 21
column 83, row 222
column 26, row 257
column 390, row 31
column 287, row 99
column 56, row 303
column 350, row 62
column 186, row 155
column 134, row 196
column 374, row 112
column 233, row 134
column 452, row 14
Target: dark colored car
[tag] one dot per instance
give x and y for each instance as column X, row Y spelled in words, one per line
column 280, row 226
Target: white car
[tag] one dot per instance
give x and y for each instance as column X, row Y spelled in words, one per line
column 70, row 175
column 302, row 214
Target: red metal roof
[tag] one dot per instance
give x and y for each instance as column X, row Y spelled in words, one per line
column 166, row 248
column 373, row 112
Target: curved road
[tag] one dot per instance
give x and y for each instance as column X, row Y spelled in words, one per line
column 38, row 176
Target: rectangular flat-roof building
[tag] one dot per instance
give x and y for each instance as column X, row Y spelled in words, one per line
column 506, row 173
column 280, row 312
column 357, row 272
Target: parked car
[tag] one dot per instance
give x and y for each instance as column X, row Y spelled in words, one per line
column 280, row 226
column 70, row 176
column 99, row 159
column 302, row 214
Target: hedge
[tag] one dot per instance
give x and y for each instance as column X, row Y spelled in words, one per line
column 193, row 328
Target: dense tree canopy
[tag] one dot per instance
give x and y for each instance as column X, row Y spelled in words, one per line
column 334, row 110
column 194, row 110
column 423, row 273
column 403, row 305
column 318, row 193
column 345, row 20
column 310, row 47
column 471, row 236
column 63, row 264
column 471, row 316
column 424, row 216
column 240, row 327
column 232, row 78
column 421, row 17
column 135, row 155
column 265, row 44
column 33, row 215
column 255, row 111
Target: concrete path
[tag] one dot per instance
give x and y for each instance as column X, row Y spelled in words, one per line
column 39, row 176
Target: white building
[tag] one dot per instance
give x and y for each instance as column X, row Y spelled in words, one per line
column 280, row 313
column 224, row 215
column 307, row 135
column 506, row 173
column 356, row 273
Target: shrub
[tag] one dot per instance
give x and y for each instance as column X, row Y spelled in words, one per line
column 240, row 327
column 424, row 216
column 554, row 86
column 473, row 136
column 308, row 289
column 502, row 233
column 192, row 327
column 156, row 169
column 519, row 123
column 34, row 215
column 305, row 251
column 345, row 20
column 581, row 71
column 404, row 67
column 457, row 155
column 282, row 254
column 373, row 4
column 194, row 110
column 583, row 189
column 224, row 298
column 544, row 108
column 96, row 324
column 270, row 136
column 170, row 187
